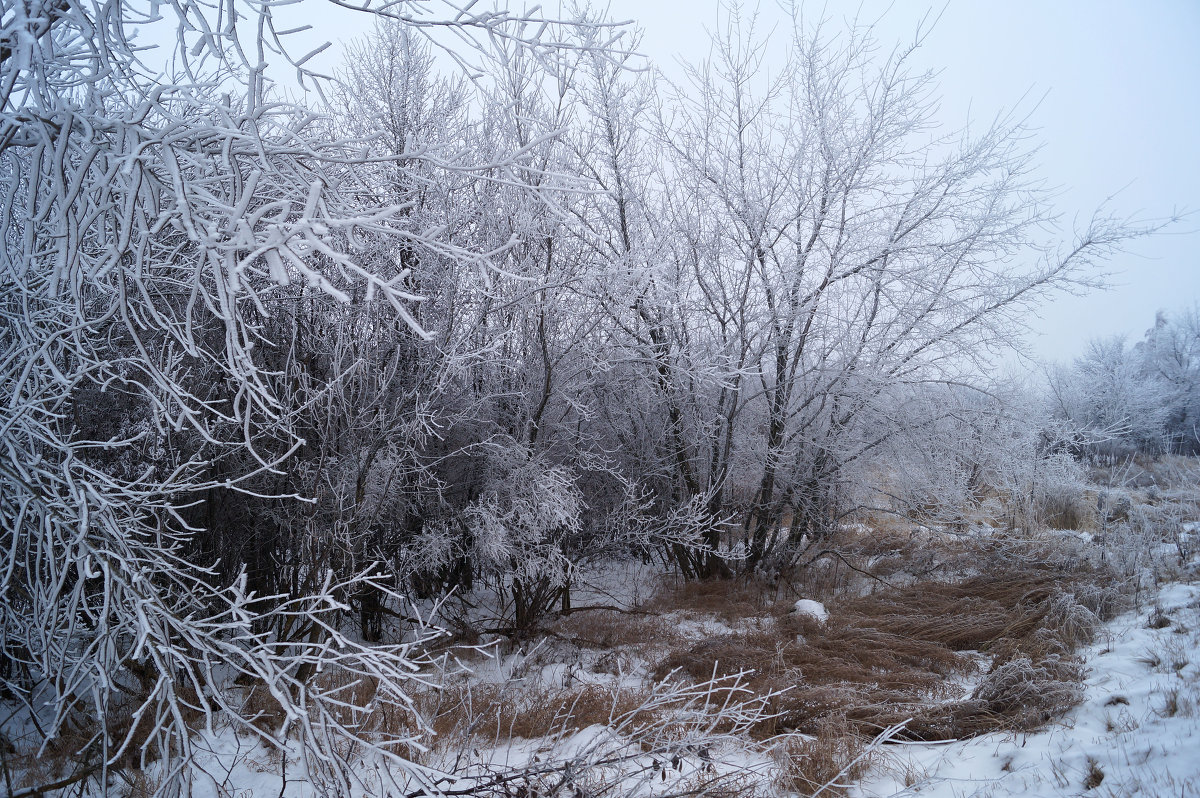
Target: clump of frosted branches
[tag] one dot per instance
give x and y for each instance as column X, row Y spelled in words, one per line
column 146, row 222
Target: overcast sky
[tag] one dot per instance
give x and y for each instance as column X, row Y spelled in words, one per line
column 1119, row 113
column 1113, row 90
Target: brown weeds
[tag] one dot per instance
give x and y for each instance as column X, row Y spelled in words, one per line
column 636, row 632
column 882, row 658
column 731, row 600
column 832, row 759
column 503, row 712
column 1022, row 695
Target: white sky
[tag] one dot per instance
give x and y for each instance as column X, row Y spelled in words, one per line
column 1119, row 114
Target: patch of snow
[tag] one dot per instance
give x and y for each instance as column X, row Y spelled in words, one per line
column 697, row 628
column 623, row 583
column 811, row 609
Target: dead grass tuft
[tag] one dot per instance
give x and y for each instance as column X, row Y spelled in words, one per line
column 1026, row 694
column 1105, row 599
column 1176, row 702
column 638, row 633
column 262, row 709
column 502, row 712
column 1067, row 508
column 1158, row 619
column 79, row 747
column 881, row 658
column 1070, row 621
column 355, row 703
column 140, row 785
column 731, row 600
column 831, row 759
column 847, row 668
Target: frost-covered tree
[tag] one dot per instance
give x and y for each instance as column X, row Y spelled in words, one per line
column 158, row 216
column 966, row 453
column 1108, row 403
column 832, row 247
column 1170, row 355
column 1115, row 399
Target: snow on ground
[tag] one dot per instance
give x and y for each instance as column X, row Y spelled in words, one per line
column 232, row 766
column 812, row 609
column 1137, row 733
column 628, row 772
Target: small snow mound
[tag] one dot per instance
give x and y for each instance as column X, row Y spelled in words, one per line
column 813, row 609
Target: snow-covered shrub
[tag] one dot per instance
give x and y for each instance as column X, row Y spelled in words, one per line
column 1107, row 403
column 995, row 456
column 159, row 205
column 521, row 523
column 520, row 535
column 1028, row 694
column 1106, row 600
column 1071, row 621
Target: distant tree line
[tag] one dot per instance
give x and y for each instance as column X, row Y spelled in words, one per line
column 1117, row 400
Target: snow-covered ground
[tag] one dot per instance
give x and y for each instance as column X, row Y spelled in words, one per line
column 1137, row 733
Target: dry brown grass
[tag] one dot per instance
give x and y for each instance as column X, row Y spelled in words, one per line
column 977, row 612
column 657, row 718
column 844, row 669
column 539, row 713
column 1094, row 775
column 901, row 549
column 882, row 658
column 461, row 710
column 356, row 703
column 1027, row 694
column 32, row 770
column 1068, row 509
column 79, row 747
column 633, row 633
column 730, row 600
column 834, row 756
column 1018, row 694
column 140, row 785
column 262, row 709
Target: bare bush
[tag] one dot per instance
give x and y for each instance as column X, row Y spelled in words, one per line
column 1070, row 620
column 827, row 762
column 1023, row 695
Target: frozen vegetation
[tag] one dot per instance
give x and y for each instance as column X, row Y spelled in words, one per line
column 515, row 422
column 1135, row 731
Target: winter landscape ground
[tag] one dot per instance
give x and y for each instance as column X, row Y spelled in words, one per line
column 989, row 662
column 507, row 419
